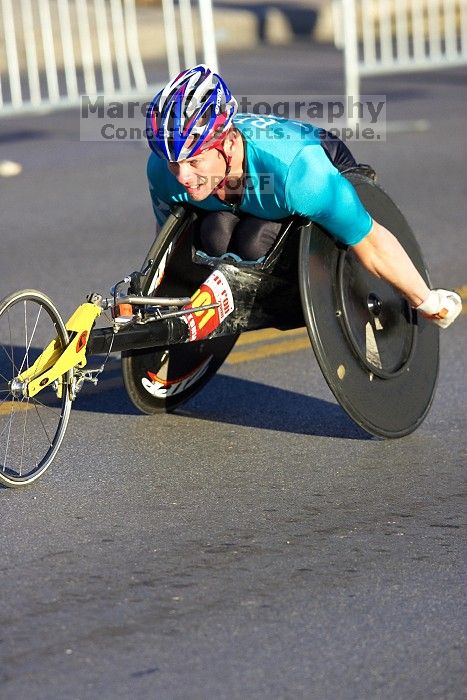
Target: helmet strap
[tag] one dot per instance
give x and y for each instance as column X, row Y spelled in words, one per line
column 228, row 162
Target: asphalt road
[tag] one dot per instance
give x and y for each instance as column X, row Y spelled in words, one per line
column 257, row 544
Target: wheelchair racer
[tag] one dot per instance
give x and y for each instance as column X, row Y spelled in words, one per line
column 249, row 173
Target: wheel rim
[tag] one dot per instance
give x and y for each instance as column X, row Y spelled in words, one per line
column 31, row 428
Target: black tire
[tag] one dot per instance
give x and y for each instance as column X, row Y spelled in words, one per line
column 159, row 381
column 378, row 356
column 179, row 371
column 31, row 429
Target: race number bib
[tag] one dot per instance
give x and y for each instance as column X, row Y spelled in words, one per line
column 215, row 290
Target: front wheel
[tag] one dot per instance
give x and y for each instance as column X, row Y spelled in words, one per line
column 31, row 428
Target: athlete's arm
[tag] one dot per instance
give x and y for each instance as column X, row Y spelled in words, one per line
column 315, row 189
column 382, row 254
column 339, row 210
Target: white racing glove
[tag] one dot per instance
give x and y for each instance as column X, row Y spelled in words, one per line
column 442, row 307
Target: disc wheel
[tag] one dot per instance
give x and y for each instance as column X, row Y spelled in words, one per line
column 31, row 429
column 159, row 381
column 379, row 357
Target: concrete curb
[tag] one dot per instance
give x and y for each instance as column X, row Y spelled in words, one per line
column 239, row 25
column 280, row 22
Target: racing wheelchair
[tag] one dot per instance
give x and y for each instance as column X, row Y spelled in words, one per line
column 378, row 356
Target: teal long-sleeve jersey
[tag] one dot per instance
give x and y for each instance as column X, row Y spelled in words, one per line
column 287, row 172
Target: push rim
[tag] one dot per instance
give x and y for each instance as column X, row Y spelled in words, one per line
column 379, row 324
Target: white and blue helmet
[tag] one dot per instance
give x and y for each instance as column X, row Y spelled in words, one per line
column 192, row 113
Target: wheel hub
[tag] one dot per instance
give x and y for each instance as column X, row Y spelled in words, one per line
column 375, row 305
column 17, row 388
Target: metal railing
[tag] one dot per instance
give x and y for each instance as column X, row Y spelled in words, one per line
column 391, row 36
column 54, row 51
column 184, row 19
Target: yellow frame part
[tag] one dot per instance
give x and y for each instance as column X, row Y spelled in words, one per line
column 55, row 361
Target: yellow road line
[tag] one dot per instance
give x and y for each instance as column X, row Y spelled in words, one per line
column 462, row 292
column 253, row 337
column 269, row 350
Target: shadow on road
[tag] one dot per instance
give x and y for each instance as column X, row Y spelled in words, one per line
column 243, row 402
column 236, row 401
column 224, row 400
column 16, row 135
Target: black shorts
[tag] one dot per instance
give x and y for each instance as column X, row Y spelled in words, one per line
column 246, row 236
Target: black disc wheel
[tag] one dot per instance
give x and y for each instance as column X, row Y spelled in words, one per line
column 379, row 357
column 31, row 428
column 159, row 381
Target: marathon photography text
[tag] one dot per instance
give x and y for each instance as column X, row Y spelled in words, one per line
column 362, row 119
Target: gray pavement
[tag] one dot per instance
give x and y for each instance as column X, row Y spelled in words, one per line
column 257, row 544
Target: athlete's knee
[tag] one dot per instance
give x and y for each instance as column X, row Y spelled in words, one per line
column 253, row 238
column 215, row 232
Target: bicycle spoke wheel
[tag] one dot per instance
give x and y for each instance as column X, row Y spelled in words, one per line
column 31, row 429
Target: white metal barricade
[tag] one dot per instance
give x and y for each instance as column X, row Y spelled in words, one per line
column 54, row 51
column 185, row 20
column 391, row 36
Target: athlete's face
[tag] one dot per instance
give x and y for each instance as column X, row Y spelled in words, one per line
column 201, row 174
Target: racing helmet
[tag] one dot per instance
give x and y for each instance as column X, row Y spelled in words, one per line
column 191, row 114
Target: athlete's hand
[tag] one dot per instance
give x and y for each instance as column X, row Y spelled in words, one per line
column 442, row 307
